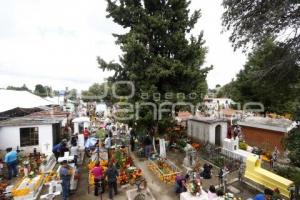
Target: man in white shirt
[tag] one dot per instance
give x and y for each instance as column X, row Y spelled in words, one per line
column 74, row 152
column 107, row 144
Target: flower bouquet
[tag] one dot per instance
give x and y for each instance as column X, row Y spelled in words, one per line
column 194, row 187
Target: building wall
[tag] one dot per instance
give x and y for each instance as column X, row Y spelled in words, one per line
column 262, row 138
column 205, row 132
column 10, row 137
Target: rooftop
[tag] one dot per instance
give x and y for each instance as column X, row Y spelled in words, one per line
column 11, row 99
column 38, row 118
column 183, row 115
column 208, row 120
column 281, row 125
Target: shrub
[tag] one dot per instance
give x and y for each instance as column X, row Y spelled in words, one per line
column 243, row 146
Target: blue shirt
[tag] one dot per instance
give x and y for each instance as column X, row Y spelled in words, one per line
column 57, row 148
column 259, row 197
column 112, row 174
column 10, row 157
column 64, row 174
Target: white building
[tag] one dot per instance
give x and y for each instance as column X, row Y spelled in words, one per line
column 32, row 131
column 80, row 123
column 218, row 103
column 207, row 130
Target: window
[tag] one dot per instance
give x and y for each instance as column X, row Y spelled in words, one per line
column 29, row 136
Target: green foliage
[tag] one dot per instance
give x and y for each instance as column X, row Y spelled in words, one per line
column 22, row 88
column 100, row 133
column 272, row 72
column 253, row 21
column 290, row 173
column 219, row 161
column 243, row 146
column 72, row 94
column 292, row 143
column 98, row 92
column 157, row 56
column 42, row 91
column 264, row 80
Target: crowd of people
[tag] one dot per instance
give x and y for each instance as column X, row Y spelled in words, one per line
column 65, row 171
column 109, row 177
column 181, row 185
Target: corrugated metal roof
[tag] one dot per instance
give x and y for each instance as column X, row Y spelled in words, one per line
column 39, row 118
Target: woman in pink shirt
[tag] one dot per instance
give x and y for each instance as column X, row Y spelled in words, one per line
column 97, row 171
column 212, row 193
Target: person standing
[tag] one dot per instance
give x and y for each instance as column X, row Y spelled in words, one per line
column 11, row 160
column 132, row 139
column 59, row 149
column 241, row 172
column 148, row 146
column 107, row 144
column 74, row 152
column 56, row 150
column 86, row 134
column 220, row 176
column 65, row 173
column 74, row 139
column 271, row 161
column 97, row 172
column 112, row 174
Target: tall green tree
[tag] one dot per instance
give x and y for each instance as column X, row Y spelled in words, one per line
column 253, row 21
column 72, row 94
column 261, row 81
column 43, row 91
column 158, row 58
column 292, row 143
column 98, row 92
column 40, row 90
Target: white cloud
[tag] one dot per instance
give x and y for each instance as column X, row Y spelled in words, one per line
column 56, row 42
column 226, row 62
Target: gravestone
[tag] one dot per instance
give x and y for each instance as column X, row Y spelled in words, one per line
column 190, row 156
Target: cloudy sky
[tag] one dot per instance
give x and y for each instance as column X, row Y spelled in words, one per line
column 56, row 42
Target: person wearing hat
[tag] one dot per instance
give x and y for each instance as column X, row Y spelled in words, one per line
column 11, row 160
column 65, row 173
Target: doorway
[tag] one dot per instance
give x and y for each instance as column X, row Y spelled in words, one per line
column 218, row 135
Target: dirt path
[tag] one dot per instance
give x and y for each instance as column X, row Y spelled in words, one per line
column 159, row 189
